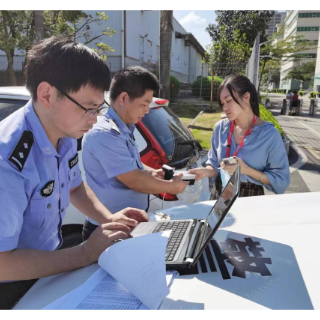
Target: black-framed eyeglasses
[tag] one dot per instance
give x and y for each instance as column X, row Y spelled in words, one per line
column 87, row 111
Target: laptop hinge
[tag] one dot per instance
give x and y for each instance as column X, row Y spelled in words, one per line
column 193, row 241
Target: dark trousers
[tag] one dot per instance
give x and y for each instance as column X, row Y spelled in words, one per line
column 12, row 292
column 87, row 229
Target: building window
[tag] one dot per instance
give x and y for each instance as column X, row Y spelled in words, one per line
column 299, row 29
column 309, row 42
column 309, row 14
column 305, row 55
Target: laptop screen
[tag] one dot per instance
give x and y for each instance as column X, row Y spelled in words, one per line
column 218, row 212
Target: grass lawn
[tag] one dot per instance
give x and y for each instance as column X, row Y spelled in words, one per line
column 204, row 137
column 202, row 128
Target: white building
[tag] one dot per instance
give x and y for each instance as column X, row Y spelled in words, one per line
column 316, row 82
column 300, row 23
column 276, row 19
column 137, row 42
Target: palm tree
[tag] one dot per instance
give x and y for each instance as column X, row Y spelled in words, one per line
column 38, row 24
column 166, row 29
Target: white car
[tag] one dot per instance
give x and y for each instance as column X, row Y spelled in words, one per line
column 161, row 138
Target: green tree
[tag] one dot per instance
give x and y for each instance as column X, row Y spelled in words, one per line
column 285, row 49
column 272, row 68
column 280, row 50
column 18, row 31
column 248, row 22
column 224, row 56
column 302, row 73
column 14, row 28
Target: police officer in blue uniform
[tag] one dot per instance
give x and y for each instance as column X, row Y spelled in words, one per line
column 40, row 173
column 110, row 155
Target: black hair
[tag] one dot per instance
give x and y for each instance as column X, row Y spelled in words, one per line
column 295, row 92
column 134, row 80
column 66, row 64
column 240, row 85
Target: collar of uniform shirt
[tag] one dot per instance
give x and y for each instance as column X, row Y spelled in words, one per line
column 40, row 134
column 121, row 125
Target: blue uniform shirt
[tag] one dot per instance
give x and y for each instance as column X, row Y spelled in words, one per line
column 263, row 150
column 35, row 182
column 109, row 150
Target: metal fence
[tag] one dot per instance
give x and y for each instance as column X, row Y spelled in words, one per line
column 201, row 87
column 252, row 68
column 20, row 79
column 152, row 66
column 196, row 90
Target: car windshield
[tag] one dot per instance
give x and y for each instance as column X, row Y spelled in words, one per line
column 169, row 132
column 8, row 106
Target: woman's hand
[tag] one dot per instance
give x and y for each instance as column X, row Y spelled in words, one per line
column 232, row 168
column 202, row 172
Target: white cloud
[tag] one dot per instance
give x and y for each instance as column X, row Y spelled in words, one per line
column 193, row 19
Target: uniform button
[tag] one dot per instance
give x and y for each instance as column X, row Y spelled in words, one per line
column 49, row 206
column 62, row 186
column 62, row 210
column 74, row 173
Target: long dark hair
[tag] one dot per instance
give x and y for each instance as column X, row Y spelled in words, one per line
column 240, row 85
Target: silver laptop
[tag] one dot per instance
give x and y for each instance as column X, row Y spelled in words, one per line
column 190, row 237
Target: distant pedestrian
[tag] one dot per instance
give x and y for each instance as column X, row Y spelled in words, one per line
column 295, row 102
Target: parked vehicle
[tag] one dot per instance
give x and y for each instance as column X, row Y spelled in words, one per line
column 162, row 139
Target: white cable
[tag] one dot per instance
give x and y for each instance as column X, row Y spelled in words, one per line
column 163, row 200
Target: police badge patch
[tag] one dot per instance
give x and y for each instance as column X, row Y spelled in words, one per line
column 48, row 189
column 73, row 161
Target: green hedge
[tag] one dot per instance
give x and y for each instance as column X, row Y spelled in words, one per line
column 284, row 91
column 206, row 87
column 302, row 92
column 313, row 94
column 174, row 88
column 266, row 115
column 175, row 85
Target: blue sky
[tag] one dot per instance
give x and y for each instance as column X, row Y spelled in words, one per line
column 196, row 21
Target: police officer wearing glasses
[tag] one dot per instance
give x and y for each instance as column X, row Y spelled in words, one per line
column 40, row 173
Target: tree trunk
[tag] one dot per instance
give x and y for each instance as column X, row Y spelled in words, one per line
column 166, row 29
column 11, row 77
column 39, row 27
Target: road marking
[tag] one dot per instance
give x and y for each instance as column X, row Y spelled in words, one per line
column 311, row 179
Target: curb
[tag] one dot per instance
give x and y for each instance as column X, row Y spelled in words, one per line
column 286, row 143
column 303, row 159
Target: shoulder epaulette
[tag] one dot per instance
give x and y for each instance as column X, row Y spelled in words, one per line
column 114, row 126
column 21, row 151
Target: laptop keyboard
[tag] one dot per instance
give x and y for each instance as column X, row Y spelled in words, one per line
column 178, row 230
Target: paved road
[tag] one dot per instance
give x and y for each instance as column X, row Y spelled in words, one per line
column 304, row 134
